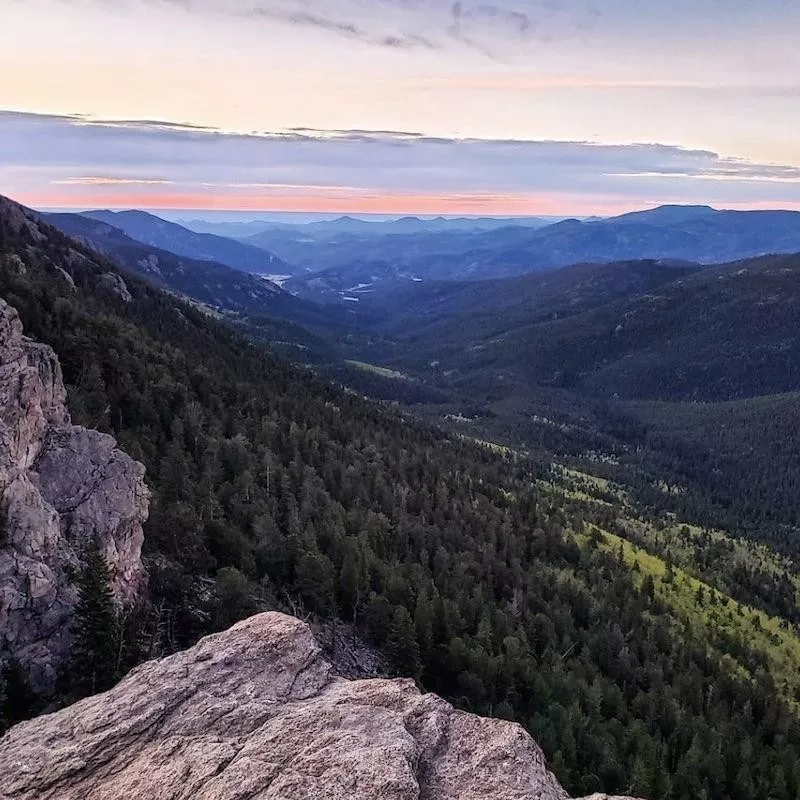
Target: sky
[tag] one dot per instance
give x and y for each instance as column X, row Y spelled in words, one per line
column 400, row 106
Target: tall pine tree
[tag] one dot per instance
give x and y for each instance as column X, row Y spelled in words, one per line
column 97, row 647
column 402, row 646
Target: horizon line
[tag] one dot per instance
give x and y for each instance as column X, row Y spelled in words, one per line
column 451, row 213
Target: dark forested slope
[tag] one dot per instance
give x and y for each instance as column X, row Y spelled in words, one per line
column 712, row 334
column 446, row 554
column 299, row 329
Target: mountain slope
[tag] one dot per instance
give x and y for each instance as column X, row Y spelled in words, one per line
column 463, row 566
column 257, row 304
column 678, row 376
column 719, row 333
column 497, row 305
column 208, row 282
column 157, row 232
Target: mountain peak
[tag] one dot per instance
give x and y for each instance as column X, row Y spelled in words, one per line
column 675, row 211
column 668, row 214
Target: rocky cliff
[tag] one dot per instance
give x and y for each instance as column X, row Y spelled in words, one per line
column 60, row 486
column 256, row 712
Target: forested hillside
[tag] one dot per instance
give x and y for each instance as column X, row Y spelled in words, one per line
column 639, row 330
column 681, row 375
column 473, row 570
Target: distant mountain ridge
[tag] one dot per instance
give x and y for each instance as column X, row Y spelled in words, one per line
column 161, row 233
column 697, row 234
column 664, row 215
column 231, row 230
column 406, row 224
column 208, row 282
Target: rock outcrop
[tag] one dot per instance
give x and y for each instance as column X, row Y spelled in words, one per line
column 256, row 712
column 60, row 487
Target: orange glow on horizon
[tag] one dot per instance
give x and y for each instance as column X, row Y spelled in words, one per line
column 349, row 201
column 367, row 203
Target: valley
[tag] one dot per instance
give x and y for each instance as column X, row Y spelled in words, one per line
column 563, row 498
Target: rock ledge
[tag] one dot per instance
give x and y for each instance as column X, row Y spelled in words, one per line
column 257, row 713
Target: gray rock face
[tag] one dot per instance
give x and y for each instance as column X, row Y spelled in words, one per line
column 256, row 712
column 60, row 486
column 114, row 284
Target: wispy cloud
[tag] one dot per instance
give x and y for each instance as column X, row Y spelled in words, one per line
column 346, row 28
column 80, row 156
column 411, row 24
column 100, row 180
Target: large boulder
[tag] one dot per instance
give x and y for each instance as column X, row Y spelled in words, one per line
column 257, row 712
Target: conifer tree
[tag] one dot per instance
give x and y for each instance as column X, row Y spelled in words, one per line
column 351, row 580
column 96, row 654
column 402, row 646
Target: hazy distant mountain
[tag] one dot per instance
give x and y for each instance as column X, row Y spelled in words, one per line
column 318, row 246
column 697, row 234
column 318, row 249
column 693, row 233
column 157, row 232
column 402, row 225
column 230, row 230
column 663, row 215
column 411, row 224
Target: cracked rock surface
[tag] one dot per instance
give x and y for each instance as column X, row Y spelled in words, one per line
column 256, row 713
column 60, row 486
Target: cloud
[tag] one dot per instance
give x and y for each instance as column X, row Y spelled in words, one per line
column 148, row 124
column 409, row 24
column 79, row 154
column 344, row 28
column 435, row 24
column 102, row 180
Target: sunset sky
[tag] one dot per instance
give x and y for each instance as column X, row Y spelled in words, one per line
column 400, row 106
